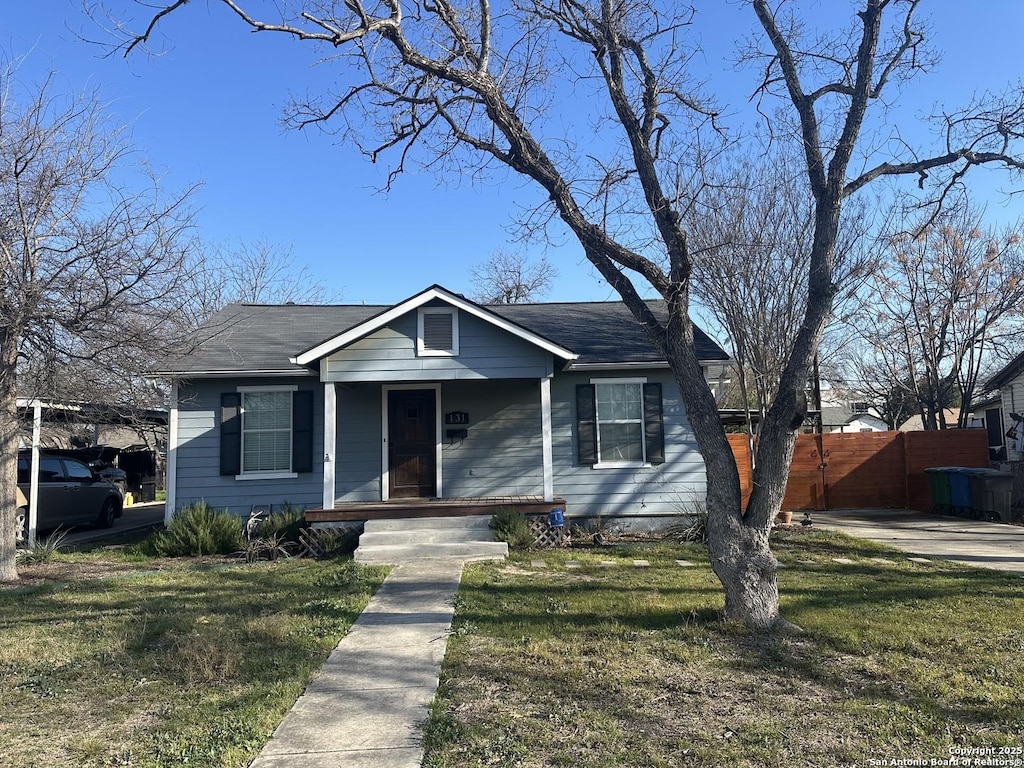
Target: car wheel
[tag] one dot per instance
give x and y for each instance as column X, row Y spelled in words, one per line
column 107, row 514
column 21, row 526
column 991, row 517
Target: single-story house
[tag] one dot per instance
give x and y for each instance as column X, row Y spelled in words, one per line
column 433, row 399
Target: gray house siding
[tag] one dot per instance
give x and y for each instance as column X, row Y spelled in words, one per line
column 503, row 450
column 646, row 492
column 389, row 355
column 502, row 453
column 198, row 452
column 358, row 456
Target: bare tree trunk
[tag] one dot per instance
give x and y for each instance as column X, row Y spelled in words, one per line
column 9, row 438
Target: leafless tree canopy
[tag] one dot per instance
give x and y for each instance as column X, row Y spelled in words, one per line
column 751, row 236
column 944, row 306
column 510, row 278
column 95, row 277
column 596, row 102
column 257, row 272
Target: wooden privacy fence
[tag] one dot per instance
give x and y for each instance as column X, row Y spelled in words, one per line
column 864, row 470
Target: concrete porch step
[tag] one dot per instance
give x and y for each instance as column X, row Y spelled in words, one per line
column 401, row 553
column 397, row 541
column 473, row 522
column 424, row 536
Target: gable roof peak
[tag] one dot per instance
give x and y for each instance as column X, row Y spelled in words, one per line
column 436, row 291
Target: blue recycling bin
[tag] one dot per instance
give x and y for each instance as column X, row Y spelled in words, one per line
column 556, row 518
column 960, row 490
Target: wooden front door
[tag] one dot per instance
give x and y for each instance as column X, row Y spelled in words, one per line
column 412, row 444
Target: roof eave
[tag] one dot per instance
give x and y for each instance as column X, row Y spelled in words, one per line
column 615, row 365
column 235, row 373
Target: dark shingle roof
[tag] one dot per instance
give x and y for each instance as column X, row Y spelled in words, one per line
column 262, row 338
column 1006, row 374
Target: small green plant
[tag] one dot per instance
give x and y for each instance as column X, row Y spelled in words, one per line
column 44, row 550
column 512, row 528
column 266, row 542
column 283, row 525
column 199, row 529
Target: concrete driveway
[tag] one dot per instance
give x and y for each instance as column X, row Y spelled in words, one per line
column 985, row 545
column 135, row 517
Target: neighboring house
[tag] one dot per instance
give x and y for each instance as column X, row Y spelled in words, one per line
column 436, row 397
column 986, row 414
column 916, row 424
column 863, row 422
column 1010, row 383
column 843, row 411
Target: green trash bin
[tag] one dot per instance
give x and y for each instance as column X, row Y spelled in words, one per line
column 938, row 484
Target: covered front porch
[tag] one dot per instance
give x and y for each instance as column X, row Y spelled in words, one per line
column 403, row 509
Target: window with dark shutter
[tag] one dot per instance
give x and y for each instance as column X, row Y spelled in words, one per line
column 620, row 423
column 266, row 431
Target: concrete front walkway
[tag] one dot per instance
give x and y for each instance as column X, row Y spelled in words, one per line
column 985, row 545
column 366, row 707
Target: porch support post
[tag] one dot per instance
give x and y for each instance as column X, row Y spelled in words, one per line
column 33, row 487
column 545, row 420
column 171, row 467
column 330, row 441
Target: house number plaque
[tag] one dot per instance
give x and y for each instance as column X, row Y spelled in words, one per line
column 456, row 417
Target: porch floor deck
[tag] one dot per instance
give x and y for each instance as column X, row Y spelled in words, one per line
column 448, row 507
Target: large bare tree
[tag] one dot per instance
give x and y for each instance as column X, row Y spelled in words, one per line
column 92, row 273
column 750, row 236
column 257, row 272
column 941, row 310
column 594, row 101
column 511, row 278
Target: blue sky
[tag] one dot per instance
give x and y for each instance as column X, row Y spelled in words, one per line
column 208, row 111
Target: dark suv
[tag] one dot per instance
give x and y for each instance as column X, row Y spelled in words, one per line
column 69, row 493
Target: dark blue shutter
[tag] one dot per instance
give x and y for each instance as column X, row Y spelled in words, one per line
column 302, row 431
column 586, row 424
column 654, row 424
column 231, row 433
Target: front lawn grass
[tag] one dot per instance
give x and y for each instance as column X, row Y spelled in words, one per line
column 111, row 659
column 619, row 665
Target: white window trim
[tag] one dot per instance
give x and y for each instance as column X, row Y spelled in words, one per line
column 639, row 380
column 421, row 349
column 265, row 475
